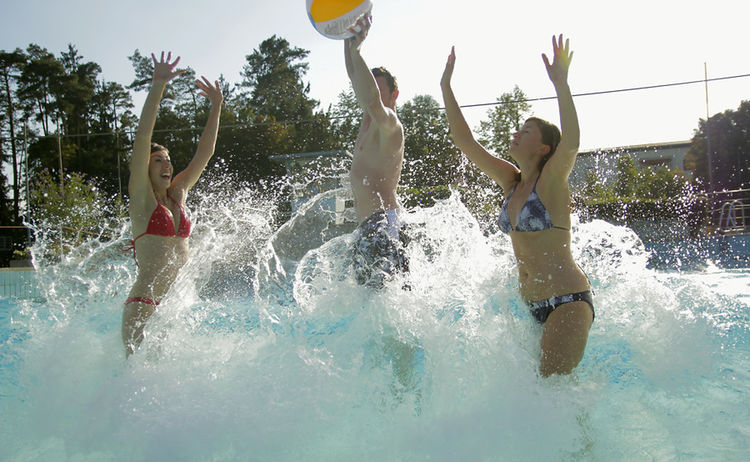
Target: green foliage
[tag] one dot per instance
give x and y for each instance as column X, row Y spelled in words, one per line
column 273, row 74
column 662, row 183
column 630, row 182
column 504, row 119
column 11, row 65
column 143, row 68
column 626, row 177
column 424, row 197
column 725, row 135
column 73, row 210
column 271, row 113
column 430, row 157
column 75, row 205
column 483, row 204
column 636, row 194
column 433, row 165
column 63, row 96
column 595, row 190
column 39, row 87
column 345, row 118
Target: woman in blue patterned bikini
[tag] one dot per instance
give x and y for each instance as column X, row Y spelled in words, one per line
column 536, row 214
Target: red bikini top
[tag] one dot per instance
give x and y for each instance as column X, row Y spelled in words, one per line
column 161, row 224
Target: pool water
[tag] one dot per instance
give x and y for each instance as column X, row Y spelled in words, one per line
column 266, row 349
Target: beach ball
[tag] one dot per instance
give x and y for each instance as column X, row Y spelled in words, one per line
column 334, row 18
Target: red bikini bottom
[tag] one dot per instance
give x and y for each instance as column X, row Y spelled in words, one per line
column 147, row 301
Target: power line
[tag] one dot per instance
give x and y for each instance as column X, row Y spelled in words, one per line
column 465, row 106
column 604, row 92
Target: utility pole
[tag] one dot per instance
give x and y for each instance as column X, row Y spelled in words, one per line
column 26, row 177
column 59, row 157
column 62, row 190
column 708, row 136
column 117, row 153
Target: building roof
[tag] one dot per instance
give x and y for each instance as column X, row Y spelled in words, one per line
column 639, row 147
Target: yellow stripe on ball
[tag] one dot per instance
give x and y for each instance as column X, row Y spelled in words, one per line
column 326, row 10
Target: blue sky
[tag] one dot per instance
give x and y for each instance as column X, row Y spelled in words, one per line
column 499, row 44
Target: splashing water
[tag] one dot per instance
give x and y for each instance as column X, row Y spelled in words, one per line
column 267, row 349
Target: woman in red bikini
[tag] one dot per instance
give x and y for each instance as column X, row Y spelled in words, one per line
column 536, row 214
column 157, row 201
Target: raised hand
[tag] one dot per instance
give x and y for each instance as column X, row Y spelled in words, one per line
column 558, row 70
column 359, row 31
column 445, row 81
column 164, row 70
column 212, row 92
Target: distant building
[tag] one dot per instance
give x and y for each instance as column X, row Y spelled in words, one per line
column 602, row 161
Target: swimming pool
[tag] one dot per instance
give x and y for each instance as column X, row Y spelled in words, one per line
column 266, row 349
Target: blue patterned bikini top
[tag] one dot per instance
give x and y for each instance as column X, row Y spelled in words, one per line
column 533, row 216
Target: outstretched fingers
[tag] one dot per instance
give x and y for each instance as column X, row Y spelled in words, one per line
column 546, row 61
column 210, row 91
column 166, row 61
column 561, row 49
column 164, row 68
column 561, row 57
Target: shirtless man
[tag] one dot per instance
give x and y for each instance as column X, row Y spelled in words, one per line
column 376, row 167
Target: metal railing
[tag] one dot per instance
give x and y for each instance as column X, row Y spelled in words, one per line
column 729, row 220
column 18, row 283
column 730, row 212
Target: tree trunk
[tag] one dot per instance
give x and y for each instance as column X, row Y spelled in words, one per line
column 14, row 151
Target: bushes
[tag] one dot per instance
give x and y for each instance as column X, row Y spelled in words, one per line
column 424, row 197
column 645, row 194
column 69, row 214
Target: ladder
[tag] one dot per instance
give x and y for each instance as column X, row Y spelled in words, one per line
column 728, row 218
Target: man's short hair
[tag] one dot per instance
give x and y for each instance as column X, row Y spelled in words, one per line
column 383, row 72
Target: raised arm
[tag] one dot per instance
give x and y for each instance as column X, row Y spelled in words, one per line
column 139, row 184
column 205, row 150
column 363, row 82
column 348, row 59
column 565, row 156
column 500, row 170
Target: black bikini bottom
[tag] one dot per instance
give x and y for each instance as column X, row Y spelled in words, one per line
column 543, row 308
